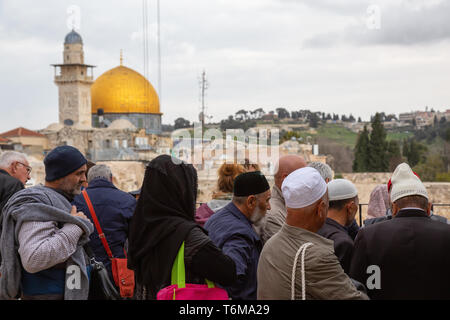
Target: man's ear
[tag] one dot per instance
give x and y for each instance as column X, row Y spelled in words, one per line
column 251, row 201
column 429, row 208
column 322, row 212
column 348, row 206
column 13, row 167
column 394, row 209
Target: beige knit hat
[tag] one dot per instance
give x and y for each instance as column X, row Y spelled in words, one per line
column 406, row 183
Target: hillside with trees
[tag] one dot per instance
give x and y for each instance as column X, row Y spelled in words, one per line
column 427, row 151
column 373, row 149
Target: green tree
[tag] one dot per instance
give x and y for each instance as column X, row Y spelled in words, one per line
column 258, row 113
column 405, row 149
column 361, row 161
column 431, row 169
column 181, row 123
column 394, row 155
column 416, row 152
column 378, row 155
column 241, row 115
column 282, row 113
column 314, row 120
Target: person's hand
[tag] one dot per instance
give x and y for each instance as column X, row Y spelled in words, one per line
column 78, row 214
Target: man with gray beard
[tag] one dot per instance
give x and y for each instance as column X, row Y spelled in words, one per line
column 231, row 230
column 43, row 234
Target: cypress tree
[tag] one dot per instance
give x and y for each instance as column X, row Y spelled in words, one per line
column 405, row 150
column 394, row 155
column 361, row 161
column 378, row 156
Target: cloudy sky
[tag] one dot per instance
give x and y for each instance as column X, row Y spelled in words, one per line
column 341, row 56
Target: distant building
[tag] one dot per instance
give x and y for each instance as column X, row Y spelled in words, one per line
column 26, row 140
column 406, row 117
column 424, row 118
column 6, row 144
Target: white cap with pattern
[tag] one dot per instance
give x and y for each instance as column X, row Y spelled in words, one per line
column 341, row 189
column 303, row 187
column 406, row 183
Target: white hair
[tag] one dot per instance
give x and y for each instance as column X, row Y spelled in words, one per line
column 99, row 171
column 8, row 157
column 324, row 169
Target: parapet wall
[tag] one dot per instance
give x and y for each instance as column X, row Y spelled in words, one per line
column 128, row 176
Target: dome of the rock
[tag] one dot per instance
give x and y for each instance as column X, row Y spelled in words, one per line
column 123, row 90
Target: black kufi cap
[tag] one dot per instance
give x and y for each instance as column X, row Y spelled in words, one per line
column 250, row 183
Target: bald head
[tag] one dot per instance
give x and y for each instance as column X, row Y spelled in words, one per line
column 286, row 165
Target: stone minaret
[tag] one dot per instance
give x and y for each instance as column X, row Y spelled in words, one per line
column 74, row 83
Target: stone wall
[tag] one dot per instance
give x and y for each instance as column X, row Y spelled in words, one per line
column 128, row 176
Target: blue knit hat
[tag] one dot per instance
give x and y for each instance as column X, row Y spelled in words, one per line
column 62, row 161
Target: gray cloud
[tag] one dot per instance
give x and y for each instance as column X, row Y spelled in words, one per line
column 341, row 7
column 400, row 24
column 257, row 53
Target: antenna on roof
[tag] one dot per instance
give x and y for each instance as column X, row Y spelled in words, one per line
column 159, row 50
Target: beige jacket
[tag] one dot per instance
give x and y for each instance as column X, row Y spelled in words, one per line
column 276, row 216
column 324, row 277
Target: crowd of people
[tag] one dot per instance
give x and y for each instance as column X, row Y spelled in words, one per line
column 297, row 240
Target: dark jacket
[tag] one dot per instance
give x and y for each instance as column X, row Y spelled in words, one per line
column 353, row 229
column 114, row 209
column 202, row 260
column 343, row 243
column 8, row 186
column 388, row 216
column 234, row 234
column 411, row 251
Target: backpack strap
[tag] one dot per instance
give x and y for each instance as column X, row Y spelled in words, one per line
column 97, row 224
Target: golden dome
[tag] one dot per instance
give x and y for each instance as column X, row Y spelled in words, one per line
column 123, row 90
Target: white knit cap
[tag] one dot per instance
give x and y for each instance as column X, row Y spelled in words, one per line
column 406, row 183
column 341, row 189
column 303, row 187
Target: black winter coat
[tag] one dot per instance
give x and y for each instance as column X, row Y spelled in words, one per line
column 202, row 260
column 412, row 253
column 8, row 186
column 343, row 243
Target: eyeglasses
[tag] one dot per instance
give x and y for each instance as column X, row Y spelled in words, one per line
column 26, row 167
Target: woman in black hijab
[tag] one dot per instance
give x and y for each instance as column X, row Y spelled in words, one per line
column 163, row 219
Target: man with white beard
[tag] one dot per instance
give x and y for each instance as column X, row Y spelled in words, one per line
column 43, row 234
column 231, row 230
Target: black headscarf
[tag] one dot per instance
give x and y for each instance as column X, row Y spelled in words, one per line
column 163, row 217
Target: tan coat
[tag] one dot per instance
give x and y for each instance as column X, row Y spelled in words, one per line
column 324, row 277
column 276, row 216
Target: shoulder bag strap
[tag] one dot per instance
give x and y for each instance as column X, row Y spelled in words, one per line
column 178, row 271
column 302, row 250
column 97, row 224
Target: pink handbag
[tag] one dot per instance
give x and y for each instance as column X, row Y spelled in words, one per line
column 180, row 290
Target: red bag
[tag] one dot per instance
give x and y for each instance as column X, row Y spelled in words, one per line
column 123, row 277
